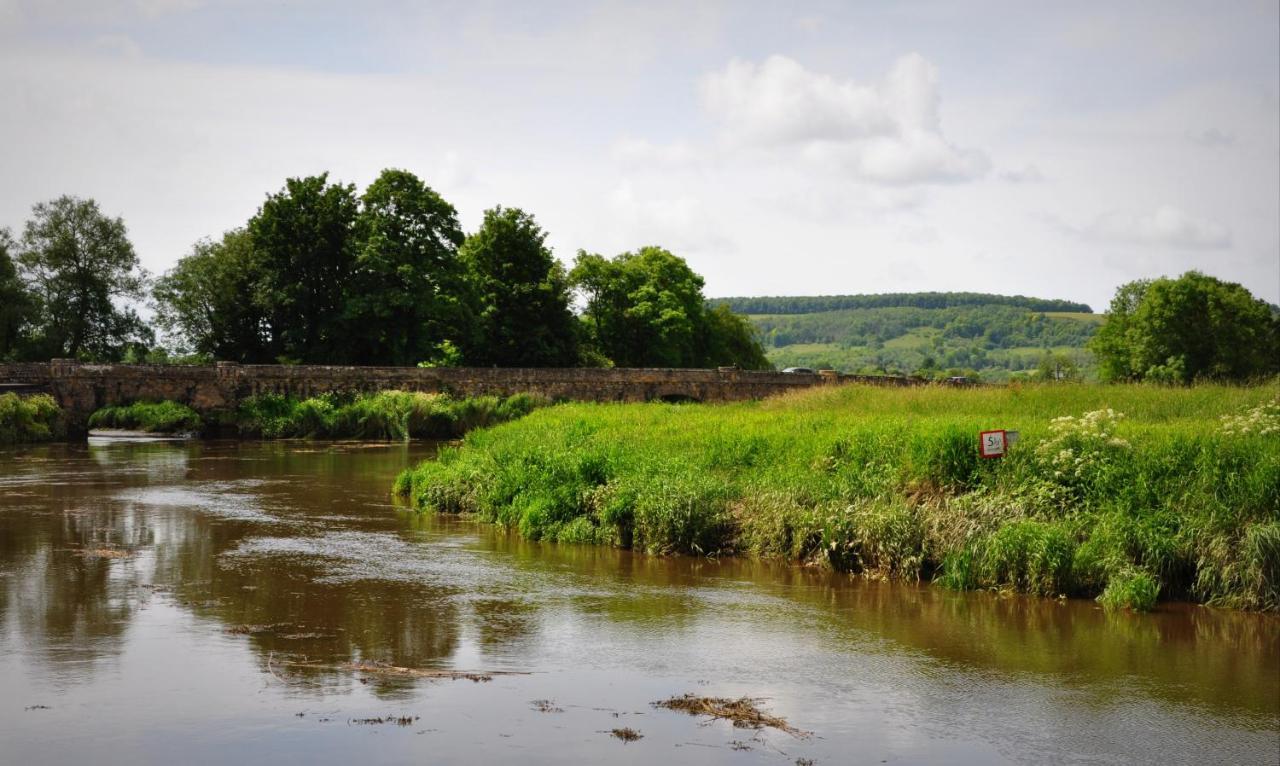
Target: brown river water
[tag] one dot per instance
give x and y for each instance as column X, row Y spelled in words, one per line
column 205, row 602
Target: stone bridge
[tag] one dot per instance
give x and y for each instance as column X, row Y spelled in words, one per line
column 81, row 388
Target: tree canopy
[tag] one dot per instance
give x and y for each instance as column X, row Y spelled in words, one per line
column 409, row 294
column 211, row 300
column 82, row 269
column 1184, row 329
column 646, row 309
column 17, row 304
column 303, row 238
column 521, row 293
column 812, row 304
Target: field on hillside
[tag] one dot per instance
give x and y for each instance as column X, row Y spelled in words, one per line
column 997, row 342
column 1127, row 493
column 997, row 337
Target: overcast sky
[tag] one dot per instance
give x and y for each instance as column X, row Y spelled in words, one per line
column 1048, row 149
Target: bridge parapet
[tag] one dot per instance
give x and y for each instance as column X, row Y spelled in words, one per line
column 82, row 388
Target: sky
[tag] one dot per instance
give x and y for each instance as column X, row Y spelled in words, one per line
column 801, row 148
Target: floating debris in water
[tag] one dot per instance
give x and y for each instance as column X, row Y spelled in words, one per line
column 37, row 707
column 253, row 630
column 385, row 669
column 104, row 553
column 744, row 712
column 398, row 720
column 626, row 734
column 546, row 706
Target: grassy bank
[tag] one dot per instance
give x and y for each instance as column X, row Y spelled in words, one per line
column 390, row 415
column 26, row 419
column 152, row 417
column 1125, row 493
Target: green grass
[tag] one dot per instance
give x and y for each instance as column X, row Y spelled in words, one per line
column 391, row 415
column 153, row 417
column 1077, row 315
column 1167, row 499
column 25, row 419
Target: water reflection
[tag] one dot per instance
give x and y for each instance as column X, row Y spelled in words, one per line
column 296, row 552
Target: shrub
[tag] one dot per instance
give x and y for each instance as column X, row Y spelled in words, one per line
column 385, row 415
column 25, row 419
column 153, row 417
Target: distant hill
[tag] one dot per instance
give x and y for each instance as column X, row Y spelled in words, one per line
column 812, row 304
column 995, row 336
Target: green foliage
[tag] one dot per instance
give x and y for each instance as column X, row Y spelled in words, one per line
column 25, row 419
column 646, row 309
column 1058, row 368
column 80, row 265
column 1177, row 497
column 797, row 304
column 445, row 354
column 1131, row 589
column 17, row 304
column 153, row 417
column 303, row 238
column 1176, row 331
column 408, row 296
column 210, row 300
column 386, row 415
column 522, row 294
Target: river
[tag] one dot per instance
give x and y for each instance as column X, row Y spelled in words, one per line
column 214, row 602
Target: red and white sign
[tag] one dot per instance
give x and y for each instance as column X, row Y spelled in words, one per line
column 992, row 443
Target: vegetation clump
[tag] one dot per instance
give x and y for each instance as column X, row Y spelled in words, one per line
column 1131, row 493
column 744, row 712
column 390, row 415
column 25, row 419
column 153, row 417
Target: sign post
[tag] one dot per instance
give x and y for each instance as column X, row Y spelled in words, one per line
column 992, row 443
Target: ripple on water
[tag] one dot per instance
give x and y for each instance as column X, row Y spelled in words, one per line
column 351, row 555
column 225, row 500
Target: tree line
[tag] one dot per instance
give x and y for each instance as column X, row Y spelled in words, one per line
column 812, row 304
column 322, row 274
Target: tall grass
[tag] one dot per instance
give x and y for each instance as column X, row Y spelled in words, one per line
column 26, row 419
column 391, row 415
column 1143, row 493
column 153, row 417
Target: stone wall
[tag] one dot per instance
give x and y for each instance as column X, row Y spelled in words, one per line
column 82, row 388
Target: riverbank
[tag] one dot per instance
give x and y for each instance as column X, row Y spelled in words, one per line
column 1127, row 493
column 384, row 416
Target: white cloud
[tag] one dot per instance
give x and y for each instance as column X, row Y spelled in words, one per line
column 1212, row 138
column 634, row 152
column 1168, row 226
column 889, row 132
column 1028, row 174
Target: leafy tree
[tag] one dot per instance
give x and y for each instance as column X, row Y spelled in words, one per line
column 210, row 302
column 408, row 294
column 81, row 266
column 521, row 293
column 1057, row 368
column 17, row 304
column 646, row 309
column 731, row 340
column 1179, row 330
column 304, row 237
